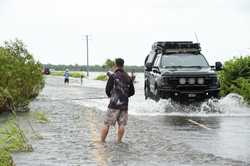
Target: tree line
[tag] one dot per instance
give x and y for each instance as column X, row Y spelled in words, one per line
column 93, row 68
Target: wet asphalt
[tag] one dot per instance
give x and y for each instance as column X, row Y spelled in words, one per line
column 75, row 113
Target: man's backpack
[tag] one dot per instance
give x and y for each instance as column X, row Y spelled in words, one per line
column 120, row 91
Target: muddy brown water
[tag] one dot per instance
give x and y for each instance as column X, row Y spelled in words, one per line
column 153, row 137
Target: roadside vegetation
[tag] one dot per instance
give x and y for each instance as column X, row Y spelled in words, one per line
column 21, row 81
column 21, row 76
column 75, row 74
column 5, row 158
column 40, row 117
column 102, row 77
column 235, row 77
column 12, row 139
column 107, row 66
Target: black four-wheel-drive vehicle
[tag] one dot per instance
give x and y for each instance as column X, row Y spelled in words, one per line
column 179, row 71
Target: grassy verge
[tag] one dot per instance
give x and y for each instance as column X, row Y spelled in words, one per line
column 102, row 77
column 5, row 158
column 40, row 117
column 75, row 74
column 12, row 139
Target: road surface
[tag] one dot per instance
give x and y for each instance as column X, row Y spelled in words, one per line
column 157, row 133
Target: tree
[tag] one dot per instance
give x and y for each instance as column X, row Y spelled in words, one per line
column 108, row 64
column 235, row 77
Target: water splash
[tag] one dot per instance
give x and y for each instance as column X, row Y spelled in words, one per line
column 234, row 103
column 230, row 105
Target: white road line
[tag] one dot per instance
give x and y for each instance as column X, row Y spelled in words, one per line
column 199, row 124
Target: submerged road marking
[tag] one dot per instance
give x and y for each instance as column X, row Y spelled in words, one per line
column 199, row 124
column 99, row 150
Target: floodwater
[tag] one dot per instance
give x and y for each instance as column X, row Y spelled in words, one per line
column 163, row 133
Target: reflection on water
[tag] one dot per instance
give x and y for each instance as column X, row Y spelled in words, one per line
column 184, row 121
column 4, row 117
column 227, row 136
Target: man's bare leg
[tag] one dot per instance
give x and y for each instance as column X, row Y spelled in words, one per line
column 120, row 133
column 104, row 133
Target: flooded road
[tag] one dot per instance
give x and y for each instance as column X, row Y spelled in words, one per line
column 157, row 133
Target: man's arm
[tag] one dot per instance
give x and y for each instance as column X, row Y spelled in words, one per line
column 109, row 86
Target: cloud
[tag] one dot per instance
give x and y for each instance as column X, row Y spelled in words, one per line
column 53, row 29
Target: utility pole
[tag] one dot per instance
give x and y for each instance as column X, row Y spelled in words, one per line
column 197, row 40
column 87, row 45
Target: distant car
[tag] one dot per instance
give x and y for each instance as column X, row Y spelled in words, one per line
column 46, row 71
column 178, row 70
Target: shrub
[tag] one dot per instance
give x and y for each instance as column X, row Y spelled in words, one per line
column 76, row 74
column 21, row 75
column 57, row 73
column 102, row 77
column 5, row 100
column 235, row 77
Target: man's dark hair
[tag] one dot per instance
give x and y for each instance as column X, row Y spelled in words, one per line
column 119, row 62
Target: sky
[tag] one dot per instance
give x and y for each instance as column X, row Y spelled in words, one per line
column 54, row 30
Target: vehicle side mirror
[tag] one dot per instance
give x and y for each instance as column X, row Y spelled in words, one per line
column 218, row 66
column 156, row 69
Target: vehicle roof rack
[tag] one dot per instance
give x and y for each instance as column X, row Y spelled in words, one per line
column 176, row 47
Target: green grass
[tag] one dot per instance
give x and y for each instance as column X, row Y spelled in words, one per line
column 5, row 158
column 40, row 117
column 12, row 139
column 75, row 74
column 102, row 77
column 57, row 73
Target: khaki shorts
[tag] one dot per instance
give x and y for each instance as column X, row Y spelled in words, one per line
column 116, row 115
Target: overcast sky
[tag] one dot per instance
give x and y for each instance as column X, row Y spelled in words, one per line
column 54, row 30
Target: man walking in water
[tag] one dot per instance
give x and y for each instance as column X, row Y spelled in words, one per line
column 81, row 78
column 119, row 88
column 66, row 76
